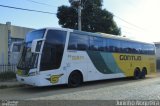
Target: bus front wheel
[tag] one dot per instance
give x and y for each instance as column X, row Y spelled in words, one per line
column 75, row 79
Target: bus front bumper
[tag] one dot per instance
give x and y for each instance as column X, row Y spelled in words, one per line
column 32, row 80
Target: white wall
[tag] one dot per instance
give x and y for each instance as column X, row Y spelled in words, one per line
column 16, row 32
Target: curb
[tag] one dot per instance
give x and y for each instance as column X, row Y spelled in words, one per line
column 10, row 84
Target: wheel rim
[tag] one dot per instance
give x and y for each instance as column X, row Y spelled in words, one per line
column 75, row 80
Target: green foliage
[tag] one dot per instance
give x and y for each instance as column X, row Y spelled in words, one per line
column 94, row 18
column 7, row 75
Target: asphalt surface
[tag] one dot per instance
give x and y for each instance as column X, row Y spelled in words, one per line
column 115, row 89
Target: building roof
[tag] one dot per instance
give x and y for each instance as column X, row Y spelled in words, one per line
column 17, row 31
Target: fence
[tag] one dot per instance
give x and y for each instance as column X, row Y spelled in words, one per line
column 7, row 72
column 8, row 68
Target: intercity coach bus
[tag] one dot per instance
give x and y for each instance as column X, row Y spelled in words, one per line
column 52, row 56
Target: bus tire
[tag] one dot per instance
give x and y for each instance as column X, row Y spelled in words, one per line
column 137, row 73
column 143, row 73
column 75, row 79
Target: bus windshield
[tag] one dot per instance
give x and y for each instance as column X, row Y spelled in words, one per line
column 28, row 59
column 38, row 34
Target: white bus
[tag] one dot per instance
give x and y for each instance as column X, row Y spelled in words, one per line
column 15, row 52
column 52, row 56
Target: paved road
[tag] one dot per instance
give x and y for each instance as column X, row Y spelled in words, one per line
column 116, row 89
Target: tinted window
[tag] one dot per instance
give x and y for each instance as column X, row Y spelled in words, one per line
column 56, row 37
column 130, row 47
column 37, row 34
column 114, row 45
column 78, row 42
column 53, row 50
column 101, row 44
column 152, row 49
column 124, row 45
column 139, row 48
column 97, row 43
column 134, row 48
column 94, row 43
column 148, row 49
column 106, row 46
column 145, row 49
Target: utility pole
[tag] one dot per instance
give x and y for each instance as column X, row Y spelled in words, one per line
column 79, row 16
column 79, row 12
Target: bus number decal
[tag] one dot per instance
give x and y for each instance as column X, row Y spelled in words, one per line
column 76, row 57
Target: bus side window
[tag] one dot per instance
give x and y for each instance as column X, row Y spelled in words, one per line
column 91, row 44
column 106, row 48
column 83, row 42
column 134, row 45
column 72, row 45
column 152, row 49
column 114, row 45
column 101, row 44
column 145, row 49
column 78, row 42
column 97, row 44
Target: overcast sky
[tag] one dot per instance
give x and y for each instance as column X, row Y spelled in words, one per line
column 138, row 19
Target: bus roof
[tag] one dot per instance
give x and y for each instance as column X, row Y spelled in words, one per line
column 99, row 34
column 118, row 37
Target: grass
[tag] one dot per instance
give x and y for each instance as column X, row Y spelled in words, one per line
column 7, row 76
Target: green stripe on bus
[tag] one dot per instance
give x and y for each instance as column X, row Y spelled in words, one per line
column 98, row 62
column 104, row 62
column 110, row 62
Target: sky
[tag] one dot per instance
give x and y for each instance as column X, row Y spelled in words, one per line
column 138, row 19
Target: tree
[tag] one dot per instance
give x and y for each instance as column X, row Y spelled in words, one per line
column 94, row 18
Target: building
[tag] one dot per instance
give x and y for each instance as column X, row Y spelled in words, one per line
column 9, row 34
column 157, row 44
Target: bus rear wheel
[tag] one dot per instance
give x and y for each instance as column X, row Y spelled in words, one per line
column 137, row 73
column 75, row 79
column 143, row 73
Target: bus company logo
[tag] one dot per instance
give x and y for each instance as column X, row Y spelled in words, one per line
column 130, row 57
column 54, row 78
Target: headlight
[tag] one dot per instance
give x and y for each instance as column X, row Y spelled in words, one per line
column 19, row 72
